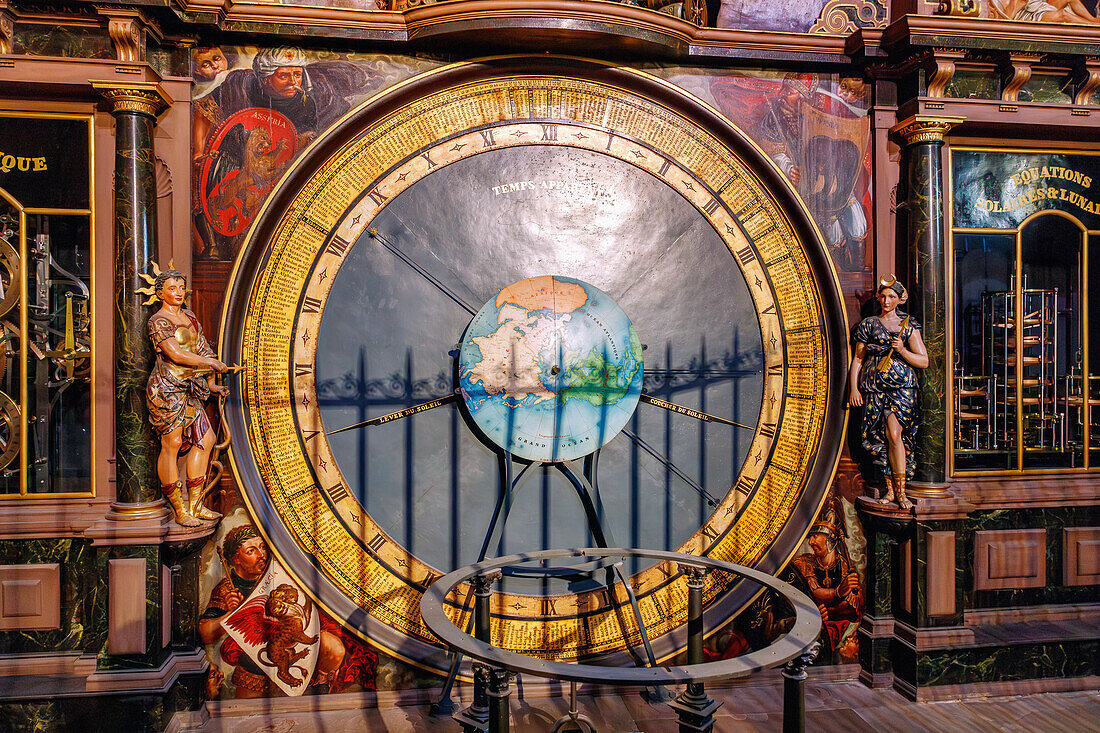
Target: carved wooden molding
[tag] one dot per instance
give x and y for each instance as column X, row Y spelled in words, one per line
column 127, row 30
column 841, row 17
column 126, row 619
column 943, row 69
column 163, row 176
column 504, row 18
column 1087, row 81
column 30, row 597
column 925, row 128
column 7, row 28
column 1008, row 559
column 1081, row 556
column 964, row 8
column 1017, row 72
column 940, row 585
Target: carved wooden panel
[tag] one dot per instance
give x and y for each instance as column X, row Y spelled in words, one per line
column 30, row 597
column 1010, row 558
column 1081, row 556
column 126, row 606
column 941, row 573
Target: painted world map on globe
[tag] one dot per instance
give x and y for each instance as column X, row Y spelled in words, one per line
column 551, row 368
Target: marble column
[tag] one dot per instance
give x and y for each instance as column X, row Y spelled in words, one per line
column 134, row 108
column 926, row 236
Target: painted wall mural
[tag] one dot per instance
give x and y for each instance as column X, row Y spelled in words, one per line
column 265, row 638
column 1046, row 11
column 255, row 110
column 830, row 568
column 832, row 17
column 263, row 635
column 815, row 127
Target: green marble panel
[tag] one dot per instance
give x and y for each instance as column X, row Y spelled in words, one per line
column 1048, row 88
column 33, row 717
column 104, row 713
column 1007, row 663
column 880, row 576
column 74, row 557
column 182, row 560
column 974, row 84
column 34, row 39
column 874, row 654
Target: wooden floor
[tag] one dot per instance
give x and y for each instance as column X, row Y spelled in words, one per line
column 843, row 706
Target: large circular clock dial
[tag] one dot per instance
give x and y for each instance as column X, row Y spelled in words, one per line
column 365, row 269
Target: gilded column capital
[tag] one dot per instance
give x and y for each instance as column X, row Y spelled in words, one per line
column 924, row 128
column 141, row 98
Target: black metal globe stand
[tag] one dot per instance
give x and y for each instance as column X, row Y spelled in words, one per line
column 494, row 666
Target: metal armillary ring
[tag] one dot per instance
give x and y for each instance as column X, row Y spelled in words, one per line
column 790, row 646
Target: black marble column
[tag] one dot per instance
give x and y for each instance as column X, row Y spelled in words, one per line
column 135, row 209
column 928, row 292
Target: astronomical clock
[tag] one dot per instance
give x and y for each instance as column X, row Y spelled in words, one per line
column 525, row 303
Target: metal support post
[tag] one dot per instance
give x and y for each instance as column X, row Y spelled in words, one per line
column 574, row 720
column 500, row 689
column 693, row 706
column 794, row 693
column 475, row 718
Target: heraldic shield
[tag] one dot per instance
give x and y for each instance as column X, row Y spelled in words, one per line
column 278, row 627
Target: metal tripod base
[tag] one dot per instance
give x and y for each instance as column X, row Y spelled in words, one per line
column 579, row 722
column 658, row 695
column 574, row 720
column 442, row 708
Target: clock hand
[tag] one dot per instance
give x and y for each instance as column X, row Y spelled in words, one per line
column 199, row 371
column 670, row 466
column 373, row 232
column 705, row 417
column 671, row 372
column 408, row 411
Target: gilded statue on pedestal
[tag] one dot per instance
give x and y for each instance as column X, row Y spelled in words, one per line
column 181, row 380
column 883, row 380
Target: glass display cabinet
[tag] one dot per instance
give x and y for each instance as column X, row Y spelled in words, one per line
column 1024, row 385
column 45, row 315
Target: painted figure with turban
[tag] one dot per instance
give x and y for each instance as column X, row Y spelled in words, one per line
column 247, row 126
column 311, row 94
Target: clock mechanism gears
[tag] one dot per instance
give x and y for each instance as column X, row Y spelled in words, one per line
column 45, row 341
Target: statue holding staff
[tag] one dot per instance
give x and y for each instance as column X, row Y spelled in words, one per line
column 883, row 380
column 181, row 380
